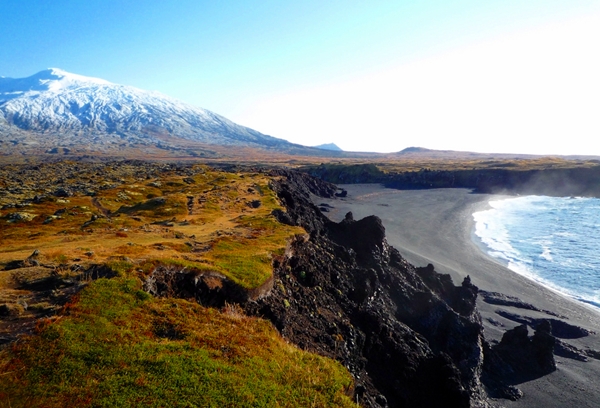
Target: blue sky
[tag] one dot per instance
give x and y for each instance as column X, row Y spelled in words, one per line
column 489, row 76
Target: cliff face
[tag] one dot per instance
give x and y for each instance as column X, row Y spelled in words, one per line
column 582, row 181
column 408, row 335
column 553, row 182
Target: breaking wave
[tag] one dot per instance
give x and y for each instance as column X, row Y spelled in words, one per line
column 552, row 240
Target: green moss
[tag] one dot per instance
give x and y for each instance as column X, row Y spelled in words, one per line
column 173, row 204
column 108, row 352
column 241, row 262
column 120, row 267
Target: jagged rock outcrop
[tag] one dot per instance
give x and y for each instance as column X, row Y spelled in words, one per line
column 528, row 355
column 518, row 358
column 409, row 336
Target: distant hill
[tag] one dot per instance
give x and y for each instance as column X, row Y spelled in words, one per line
column 424, row 153
column 415, row 150
column 329, row 146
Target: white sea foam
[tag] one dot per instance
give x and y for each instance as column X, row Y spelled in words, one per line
column 552, row 240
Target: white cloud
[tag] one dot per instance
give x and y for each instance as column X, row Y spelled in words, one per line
column 535, row 91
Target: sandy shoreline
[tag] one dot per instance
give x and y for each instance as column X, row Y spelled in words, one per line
column 436, row 226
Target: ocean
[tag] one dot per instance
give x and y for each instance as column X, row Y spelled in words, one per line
column 552, row 240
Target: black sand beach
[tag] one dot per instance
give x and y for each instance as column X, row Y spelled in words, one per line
column 436, row 226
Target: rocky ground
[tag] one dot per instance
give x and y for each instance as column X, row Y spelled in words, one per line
column 408, row 335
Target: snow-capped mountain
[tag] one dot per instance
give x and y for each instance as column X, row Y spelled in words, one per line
column 75, row 109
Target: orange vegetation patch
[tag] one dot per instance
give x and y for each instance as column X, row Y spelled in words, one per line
column 198, row 214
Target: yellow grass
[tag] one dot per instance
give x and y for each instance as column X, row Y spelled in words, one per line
column 153, row 219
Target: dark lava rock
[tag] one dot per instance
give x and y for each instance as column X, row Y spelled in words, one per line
column 309, row 184
column 207, row 288
column 63, row 192
column 566, row 350
column 31, row 260
column 40, row 199
column 343, row 292
column 519, row 357
column 495, row 298
column 254, row 204
column 4, row 310
column 560, row 329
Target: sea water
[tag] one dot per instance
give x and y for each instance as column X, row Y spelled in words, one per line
column 552, row 240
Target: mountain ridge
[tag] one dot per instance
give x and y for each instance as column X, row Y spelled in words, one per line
column 60, row 108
